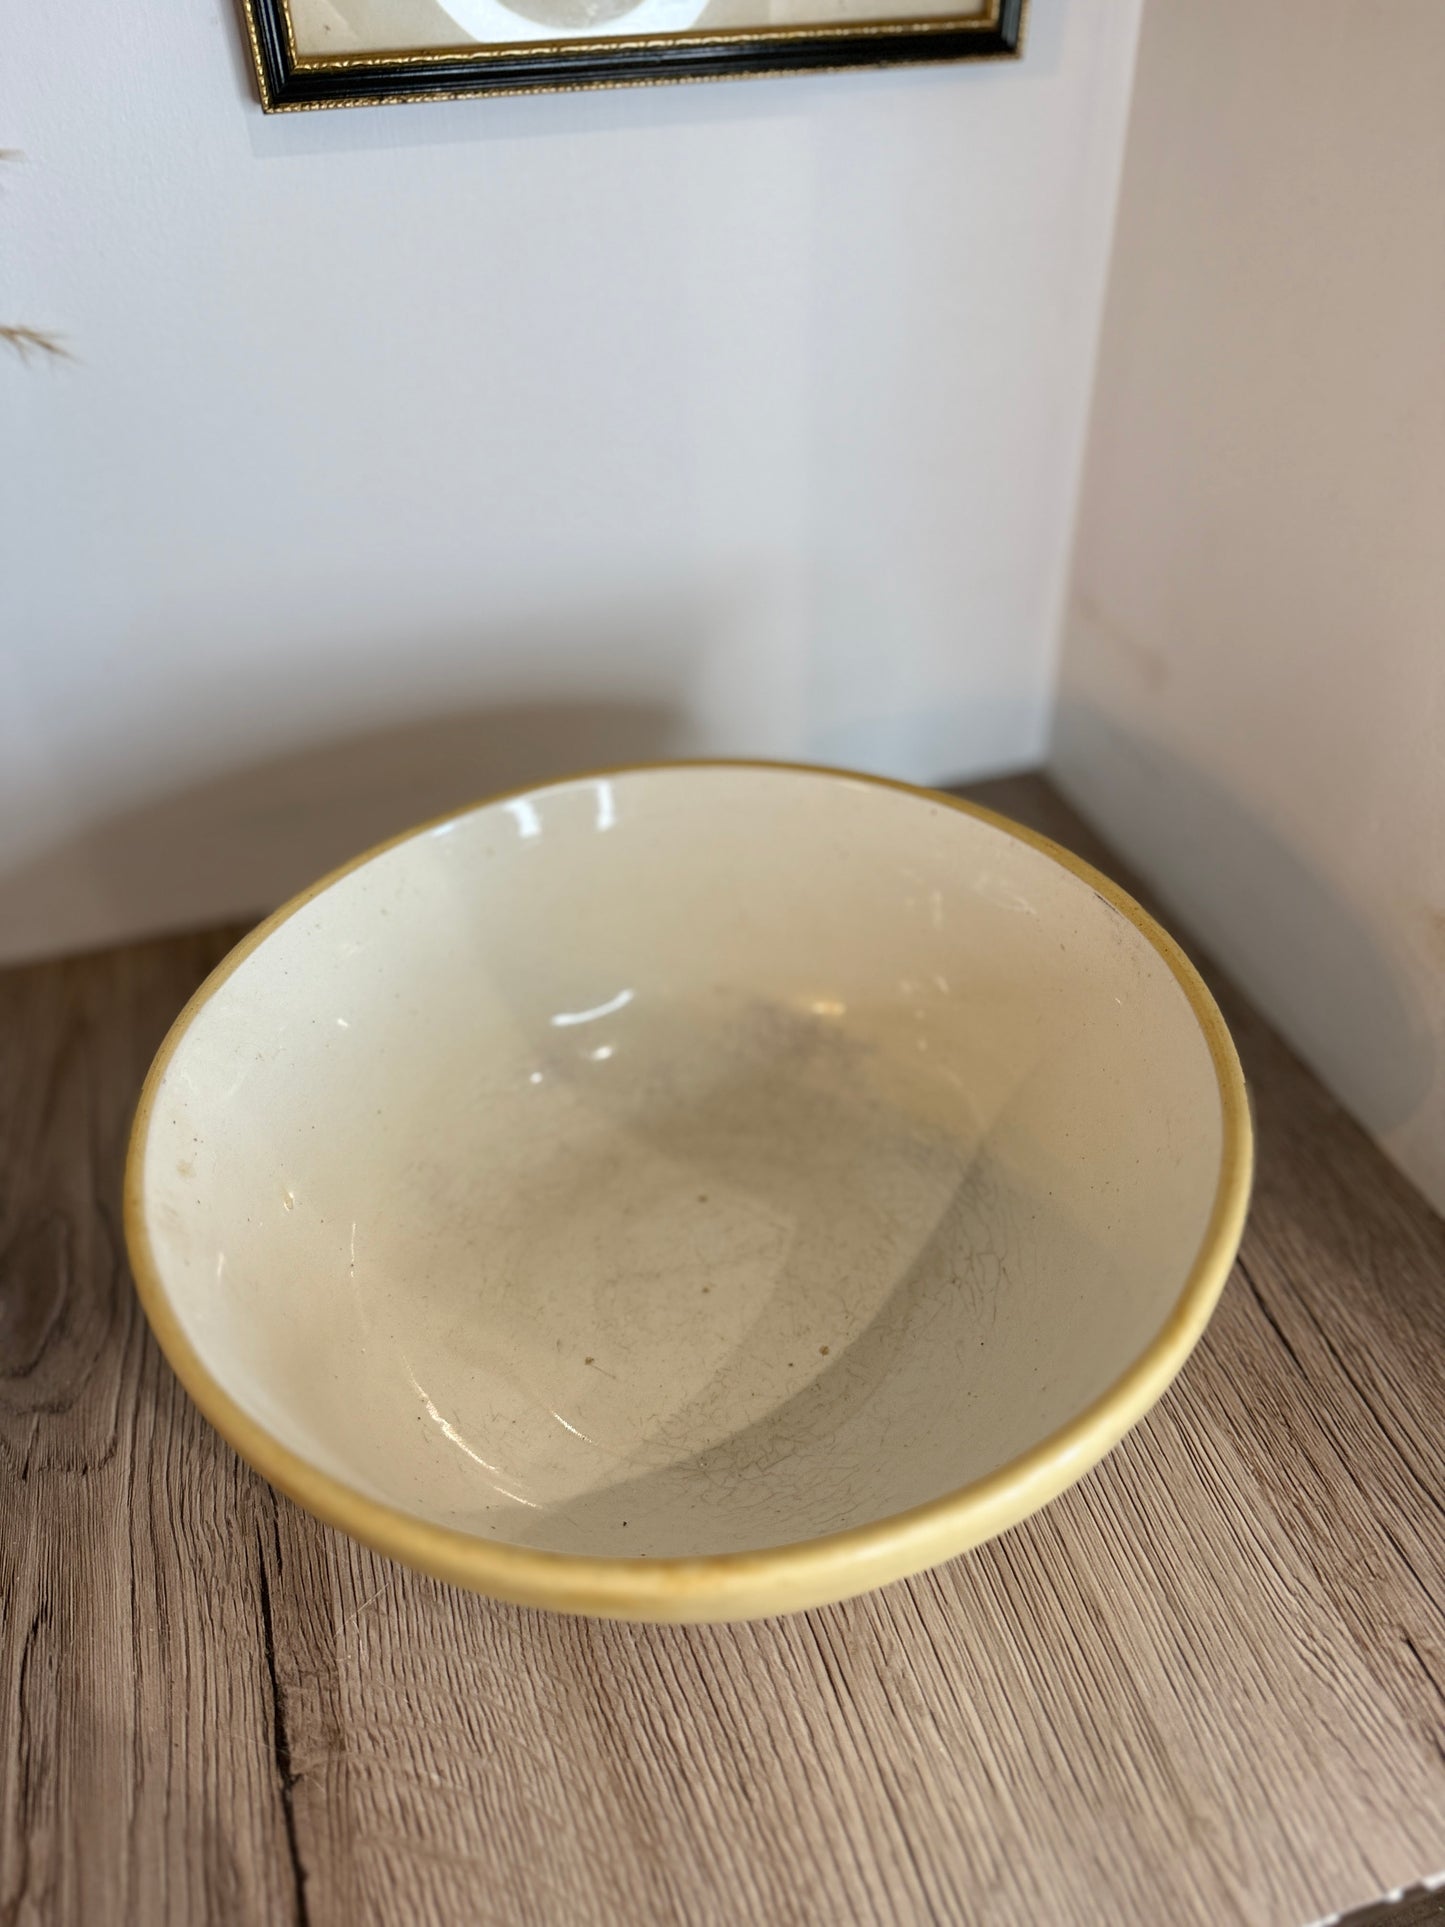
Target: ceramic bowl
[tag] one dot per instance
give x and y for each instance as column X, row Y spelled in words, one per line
column 691, row 1192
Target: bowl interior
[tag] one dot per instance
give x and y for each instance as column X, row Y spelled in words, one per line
column 687, row 1161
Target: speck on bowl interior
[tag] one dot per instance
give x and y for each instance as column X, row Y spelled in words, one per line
column 692, row 1192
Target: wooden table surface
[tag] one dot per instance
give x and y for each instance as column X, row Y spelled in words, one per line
column 1207, row 1685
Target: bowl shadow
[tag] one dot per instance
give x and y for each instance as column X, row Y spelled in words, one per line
column 1280, row 928
column 251, row 836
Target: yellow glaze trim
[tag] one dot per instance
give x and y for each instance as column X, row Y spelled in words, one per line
column 782, row 1578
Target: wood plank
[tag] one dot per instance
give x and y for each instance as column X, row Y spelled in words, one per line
column 1204, row 1686
column 137, row 1775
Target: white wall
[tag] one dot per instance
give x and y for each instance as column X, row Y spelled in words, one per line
column 1253, row 690
column 409, row 452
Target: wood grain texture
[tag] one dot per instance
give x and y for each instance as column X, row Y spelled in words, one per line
column 1207, row 1685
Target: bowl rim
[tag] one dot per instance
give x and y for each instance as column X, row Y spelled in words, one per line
column 774, row 1579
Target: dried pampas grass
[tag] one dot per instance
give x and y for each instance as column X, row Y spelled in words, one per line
column 30, row 341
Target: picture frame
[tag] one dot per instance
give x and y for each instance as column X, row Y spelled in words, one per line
column 351, row 53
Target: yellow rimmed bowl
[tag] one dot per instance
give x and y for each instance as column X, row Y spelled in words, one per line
column 689, row 1192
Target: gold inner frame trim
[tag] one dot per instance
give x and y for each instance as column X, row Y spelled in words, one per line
column 471, row 52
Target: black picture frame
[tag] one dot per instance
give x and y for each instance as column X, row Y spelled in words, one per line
column 288, row 81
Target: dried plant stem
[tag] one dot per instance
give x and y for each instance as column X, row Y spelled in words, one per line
column 31, row 341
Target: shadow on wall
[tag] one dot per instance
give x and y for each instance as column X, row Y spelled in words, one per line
column 1277, row 925
column 249, row 837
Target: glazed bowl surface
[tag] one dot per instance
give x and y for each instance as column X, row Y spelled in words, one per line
column 690, row 1192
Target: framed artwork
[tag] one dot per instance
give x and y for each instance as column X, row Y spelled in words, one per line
column 348, row 53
